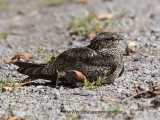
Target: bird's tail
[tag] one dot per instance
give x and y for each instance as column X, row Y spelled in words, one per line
column 32, row 70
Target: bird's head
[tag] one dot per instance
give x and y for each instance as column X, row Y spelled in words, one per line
column 105, row 40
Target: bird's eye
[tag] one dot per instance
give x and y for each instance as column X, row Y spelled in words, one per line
column 114, row 37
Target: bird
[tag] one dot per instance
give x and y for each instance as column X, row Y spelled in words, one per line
column 102, row 57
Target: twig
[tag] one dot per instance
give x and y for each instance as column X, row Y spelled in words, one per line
column 137, row 95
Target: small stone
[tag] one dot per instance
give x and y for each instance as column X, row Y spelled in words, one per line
column 139, row 73
column 57, row 95
column 155, row 73
column 89, row 92
column 120, row 90
column 78, row 92
column 150, row 58
column 19, row 113
column 61, row 88
column 14, row 74
column 62, row 108
column 40, row 87
column 146, row 71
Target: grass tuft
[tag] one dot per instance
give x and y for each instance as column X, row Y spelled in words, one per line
column 89, row 24
column 111, row 111
column 53, row 2
column 43, row 53
column 4, row 35
column 6, row 83
column 95, row 83
column 72, row 117
column 55, row 54
column 4, row 5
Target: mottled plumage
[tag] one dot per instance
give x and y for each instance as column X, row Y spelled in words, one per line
column 101, row 55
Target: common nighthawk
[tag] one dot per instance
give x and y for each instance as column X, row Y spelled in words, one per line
column 102, row 54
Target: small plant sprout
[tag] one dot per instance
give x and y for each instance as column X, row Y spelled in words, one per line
column 95, row 83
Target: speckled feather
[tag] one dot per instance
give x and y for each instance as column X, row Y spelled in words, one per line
column 93, row 60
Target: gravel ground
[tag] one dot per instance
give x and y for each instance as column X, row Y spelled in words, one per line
column 30, row 23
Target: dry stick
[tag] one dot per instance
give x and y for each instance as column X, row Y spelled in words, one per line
column 144, row 106
column 156, row 88
column 136, row 95
column 133, row 96
column 157, row 92
column 153, row 91
column 151, row 85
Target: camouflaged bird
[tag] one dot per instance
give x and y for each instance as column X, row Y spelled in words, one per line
column 102, row 54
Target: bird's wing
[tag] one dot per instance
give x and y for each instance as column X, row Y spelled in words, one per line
column 89, row 57
column 86, row 56
column 70, row 56
column 78, row 54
